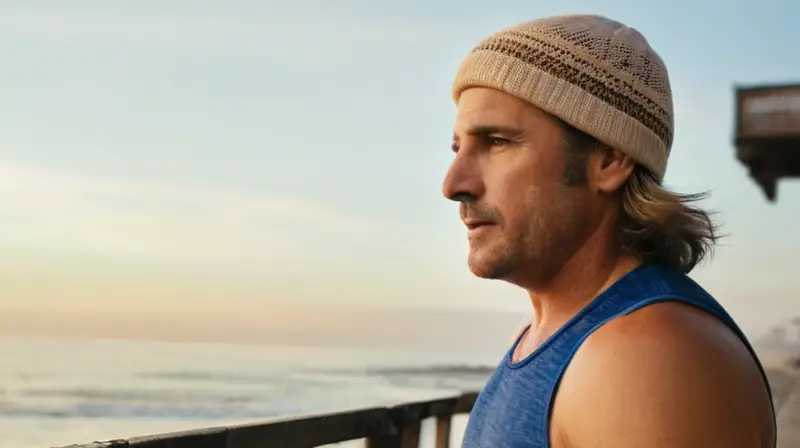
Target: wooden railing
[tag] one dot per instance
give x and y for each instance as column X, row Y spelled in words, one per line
column 392, row 427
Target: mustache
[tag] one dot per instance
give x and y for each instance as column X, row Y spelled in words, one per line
column 481, row 212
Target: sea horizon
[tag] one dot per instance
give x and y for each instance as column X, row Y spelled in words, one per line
column 57, row 392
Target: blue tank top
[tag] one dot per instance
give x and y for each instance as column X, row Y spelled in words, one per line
column 513, row 409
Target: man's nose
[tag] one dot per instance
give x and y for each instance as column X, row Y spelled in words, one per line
column 463, row 181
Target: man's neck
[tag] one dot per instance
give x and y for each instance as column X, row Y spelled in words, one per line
column 594, row 268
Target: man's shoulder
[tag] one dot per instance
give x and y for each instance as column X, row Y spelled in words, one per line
column 662, row 365
column 666, row 344
column 668, row 333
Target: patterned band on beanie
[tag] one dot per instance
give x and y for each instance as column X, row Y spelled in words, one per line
column 596, row 74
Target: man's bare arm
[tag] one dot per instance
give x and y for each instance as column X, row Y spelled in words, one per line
column 666, row 376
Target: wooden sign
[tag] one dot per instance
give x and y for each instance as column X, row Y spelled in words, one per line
column 768, row 112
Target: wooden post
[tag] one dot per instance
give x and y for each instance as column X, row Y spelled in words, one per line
column 411, row 435
column 443, row 424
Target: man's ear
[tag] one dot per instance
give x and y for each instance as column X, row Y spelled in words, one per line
column 609, row 170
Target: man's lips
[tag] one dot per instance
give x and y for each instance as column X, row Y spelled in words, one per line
column 473, row 223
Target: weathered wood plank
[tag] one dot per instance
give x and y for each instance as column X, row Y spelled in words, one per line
column 106, row 444
column 311, row 431
column 384, row 441
column 393, row 427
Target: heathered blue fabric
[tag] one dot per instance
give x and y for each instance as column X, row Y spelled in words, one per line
column 513, row 409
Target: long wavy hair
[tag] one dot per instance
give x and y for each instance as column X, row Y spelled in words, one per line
column 655, row 224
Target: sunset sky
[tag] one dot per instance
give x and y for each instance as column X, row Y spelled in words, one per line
column 237, row 162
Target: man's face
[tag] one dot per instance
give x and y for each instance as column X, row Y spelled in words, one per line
column 508, row 173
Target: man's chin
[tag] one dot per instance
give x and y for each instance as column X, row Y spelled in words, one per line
column 482, row 269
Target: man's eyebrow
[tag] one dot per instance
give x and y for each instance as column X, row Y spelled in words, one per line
column 494, row 129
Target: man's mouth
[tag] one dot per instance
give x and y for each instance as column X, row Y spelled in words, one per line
column 473, row 224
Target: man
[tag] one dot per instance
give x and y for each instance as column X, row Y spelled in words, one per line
column 561, row 140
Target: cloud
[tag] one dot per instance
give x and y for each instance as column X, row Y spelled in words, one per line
column 62, row 211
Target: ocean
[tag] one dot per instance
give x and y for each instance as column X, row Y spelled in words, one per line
column 56, row 392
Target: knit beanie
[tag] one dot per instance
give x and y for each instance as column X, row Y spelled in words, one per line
column 594, row 73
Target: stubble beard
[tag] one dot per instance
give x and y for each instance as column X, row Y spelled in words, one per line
column 492, row 263
column 512, row 252
column 535, row 254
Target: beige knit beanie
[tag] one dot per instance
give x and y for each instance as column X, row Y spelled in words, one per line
column 596, row 74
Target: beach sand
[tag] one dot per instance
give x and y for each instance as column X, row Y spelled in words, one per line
column 786, row 396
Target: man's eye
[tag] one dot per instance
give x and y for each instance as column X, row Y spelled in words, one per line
column 497, row 141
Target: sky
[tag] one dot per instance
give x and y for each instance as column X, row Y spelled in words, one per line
column 246, row 164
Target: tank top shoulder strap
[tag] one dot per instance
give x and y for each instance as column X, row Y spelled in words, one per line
column 646, row 285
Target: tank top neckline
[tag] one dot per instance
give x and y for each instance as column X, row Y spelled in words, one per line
column 600, row 298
